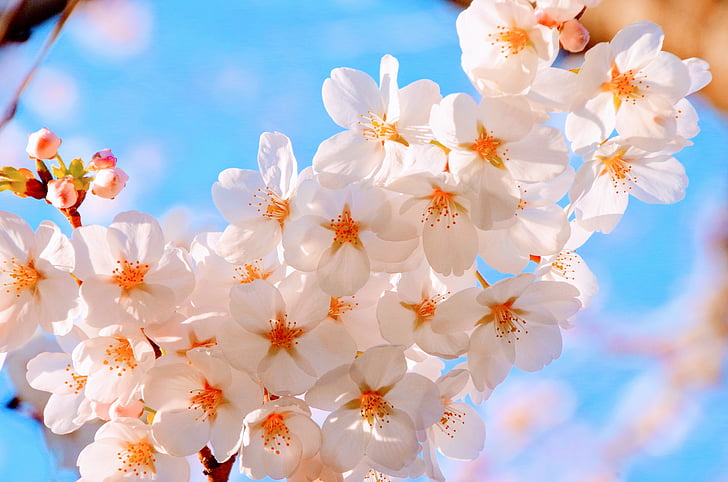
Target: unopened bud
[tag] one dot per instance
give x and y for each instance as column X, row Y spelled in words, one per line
column 109, row 182
column 574, row 36
column 545, row 19
column 43, row 144
column 62, row 193
column 104, row 159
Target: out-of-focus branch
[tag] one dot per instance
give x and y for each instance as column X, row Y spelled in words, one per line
column 214, row 470
column 24, row 15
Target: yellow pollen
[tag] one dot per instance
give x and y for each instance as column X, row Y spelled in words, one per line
column 270, row 205
column 283, row 334
column 137, row 458
column 120, row 356
column 376, row 128
column 275, row 433
column 624, row 86
column 450, row 421
column 338, row 306
column 205, row 400
column 374, row 408
column 345, row 229
column 507, row 323
column 77, row 382
column 23, row 276
column 619, row 170
column 512, row 40
column 486, row 146
column 129, row 275
column 250, row 272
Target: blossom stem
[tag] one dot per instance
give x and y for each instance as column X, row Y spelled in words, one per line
column 481, row 280
column 214, row 470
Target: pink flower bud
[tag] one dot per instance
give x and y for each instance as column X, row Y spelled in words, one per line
column 104, row 159
column 62, row 193
column 43, row 144
column 109, row 182
column 134, row 409
column 574, row 36
column 545, row 19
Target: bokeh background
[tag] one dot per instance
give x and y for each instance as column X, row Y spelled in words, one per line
column 182, row 90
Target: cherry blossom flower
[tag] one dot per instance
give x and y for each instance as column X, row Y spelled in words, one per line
column 504, row 45
column 256, row 204
column 376, row 408
column 516, row 323
column 277, row 437
column 199, row 401
column 617, row 169
column 124, row 449
column 381, row 121
column 128, row 274
column 278, row 335
column 36, row 287
column 629, row 85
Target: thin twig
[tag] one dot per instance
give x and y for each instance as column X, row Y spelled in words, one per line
column 13, row 106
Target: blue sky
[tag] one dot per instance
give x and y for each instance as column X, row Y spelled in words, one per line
column 180, row 92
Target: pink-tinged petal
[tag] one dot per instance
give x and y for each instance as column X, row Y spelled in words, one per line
column 554, row 88
column 460, row 312
column 667, row 76
column 16, row 236
column 348, row 94
column 508, row 119
column 277, row 164
column 333, row 389
column 649, row 122
column 448, row 345
column 537, row 347
column 55, row 247
column 601, row 205
column 539, row 157
column 51, row 372
column 393, row 444
column 453, row 383
column 429, row 457
column 243, row 392
column 388, row 69
column 307, row 431
column 93, row 256
column 284, row 374
column 243, row 349
column 541, row 231
column 384, row 253
column 55, row 302
column 226, row 432
column 347, row 157
column 506, row 289
column 173, row 468
column 636, row 45
column 700, row 76
column 497, row 197
column 173, row 272
column 259, row 461
column 244, row 243
column 450, row 245
column 378, row 367
column 396, row 322
column 327, row 346
column 143, row 239
column 489, row 358
column 418, row 397
column 345, row 439
column 59, row 413
column 342, row 270
column 416, row 101
column 16, row 327
column 234, row 193
column 455, row 120
column 305, row 240
column 462, row 436
column 150, row 302
column 659, row 180
column 102, row 298
column 500, row 252
column 88, row 460
column 254, row 304
column 179, row 433
column 588, row 126
column 169, row 386
column 211, row 367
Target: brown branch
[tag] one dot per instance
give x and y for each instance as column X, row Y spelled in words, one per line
column 26, row 15
column 214, row 470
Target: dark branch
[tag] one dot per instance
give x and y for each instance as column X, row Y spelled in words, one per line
column 27, row 15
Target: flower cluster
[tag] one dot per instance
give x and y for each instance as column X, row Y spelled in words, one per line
column 309, row 335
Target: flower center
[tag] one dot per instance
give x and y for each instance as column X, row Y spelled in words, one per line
column 138, row 458
column 120, row 356
column 23, row 276
column 275, row 433
column 345, row 229
column 283, row 334
column 507, row 323
column 76, row 382
column 441, row 207
column 270, row 205
column 512, row 40
column 376, row 476
column 623, row 86
column 486, row 146
column 425, row 311
column 128, row 275
column 619, row 170
column 376, row 128
column 338, row 306
column 250, row 272
column 205, row 400
column 450, row 421
column 373, row 407
column 563, row 264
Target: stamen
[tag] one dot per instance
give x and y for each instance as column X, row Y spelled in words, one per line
column 507, row 323
column 376, row 128
column 206, row 400
column 250, row 272
column 138, row 458
column 489, row 148
column 425, row 310
column 77, row 382
column 442, row 207
column 338, row 306
column 513, row 40
column 24, row 276
column 120, row 356
column 345, row 229
column 619, row 170
column 564, row 263
column 451, row 420
column 271, row 205
column 624, row 86
column 275, row 433
column 283, row 334
column 128, row 275
column 374, row 408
